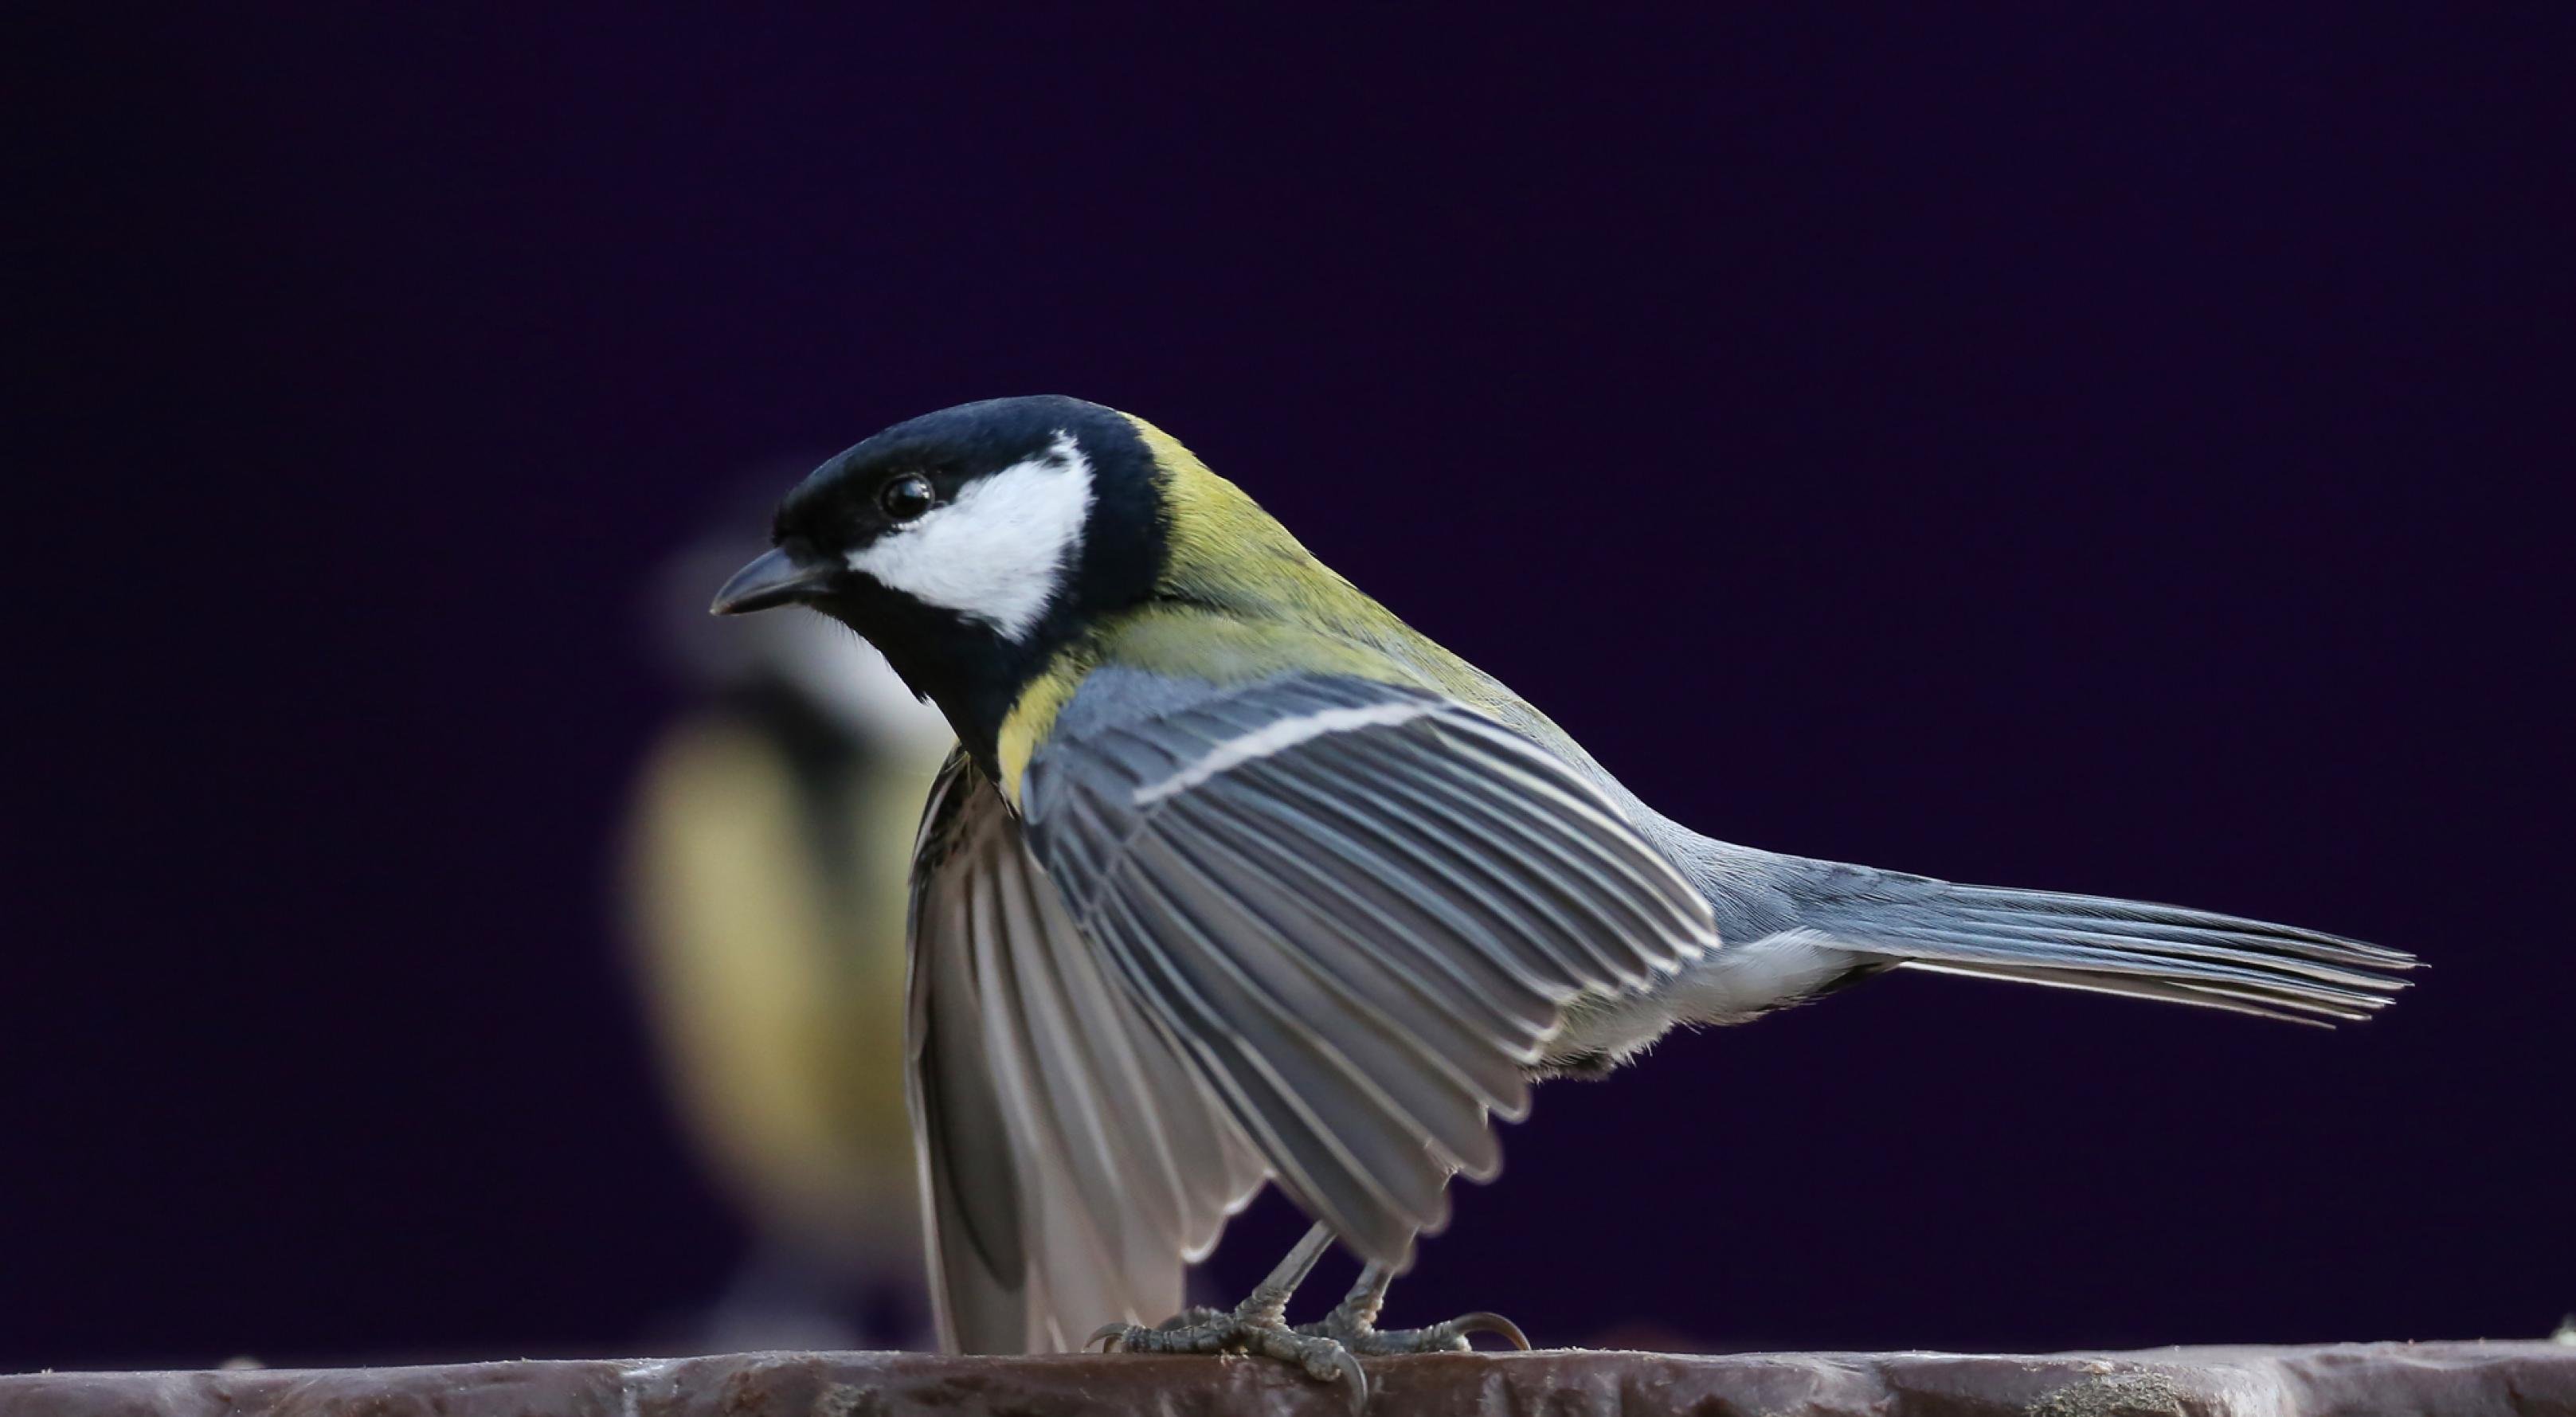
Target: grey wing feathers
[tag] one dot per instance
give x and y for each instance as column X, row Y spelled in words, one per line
column 1072, row 1164
column 1361, row 909
column 2097, row 943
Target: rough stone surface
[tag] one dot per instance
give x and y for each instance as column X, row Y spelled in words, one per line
column 2454, row 1379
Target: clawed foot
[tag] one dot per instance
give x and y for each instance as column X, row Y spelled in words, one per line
column 1253, row 1327
column 1326, row 1350
column 1357, row 1330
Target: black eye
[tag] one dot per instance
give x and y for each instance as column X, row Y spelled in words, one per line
column 907, row 497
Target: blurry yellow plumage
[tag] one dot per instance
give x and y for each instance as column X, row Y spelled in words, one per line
column 763, row 885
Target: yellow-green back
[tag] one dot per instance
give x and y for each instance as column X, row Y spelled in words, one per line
column 1241, row 600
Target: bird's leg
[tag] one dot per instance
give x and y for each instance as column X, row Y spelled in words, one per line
column 1257, row 1325
column 1353, row 1323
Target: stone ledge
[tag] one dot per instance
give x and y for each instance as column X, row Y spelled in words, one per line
column 2456, row 1379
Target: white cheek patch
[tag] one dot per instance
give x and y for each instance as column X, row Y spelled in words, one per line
column 1001, row 551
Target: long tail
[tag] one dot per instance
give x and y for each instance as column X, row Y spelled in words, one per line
column 2097, row 943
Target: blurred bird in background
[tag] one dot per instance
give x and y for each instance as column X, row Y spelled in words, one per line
column 763, row 896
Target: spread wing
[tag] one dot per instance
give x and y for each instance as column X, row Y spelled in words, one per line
column 1360, row 909
column 1072, row 1164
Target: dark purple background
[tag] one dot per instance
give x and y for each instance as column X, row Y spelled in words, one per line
column 2124, row 454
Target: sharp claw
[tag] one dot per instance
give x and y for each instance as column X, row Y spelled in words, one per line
column 1115, row 1335
column 1349, row 1364
column 1482, row 1322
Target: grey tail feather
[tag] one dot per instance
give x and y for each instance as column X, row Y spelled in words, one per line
column 2116, row 947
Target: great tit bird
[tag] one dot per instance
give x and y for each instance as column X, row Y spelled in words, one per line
column 1235, row 878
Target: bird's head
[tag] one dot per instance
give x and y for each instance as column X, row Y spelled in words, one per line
column 969, row 543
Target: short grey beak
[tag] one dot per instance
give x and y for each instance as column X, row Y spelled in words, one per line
column 774, row 579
